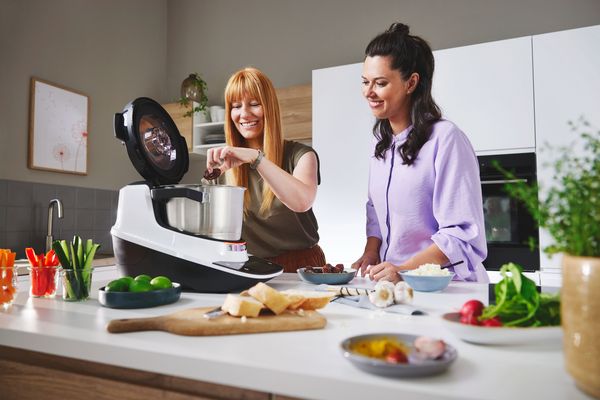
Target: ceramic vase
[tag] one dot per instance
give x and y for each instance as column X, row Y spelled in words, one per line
column 580, row 313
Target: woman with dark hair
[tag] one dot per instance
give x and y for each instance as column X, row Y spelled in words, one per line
column 424, row 203
column 281, row 176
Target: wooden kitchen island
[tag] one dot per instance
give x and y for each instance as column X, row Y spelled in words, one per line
column 53, row 349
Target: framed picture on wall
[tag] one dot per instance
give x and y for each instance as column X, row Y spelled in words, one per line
column 58, row 128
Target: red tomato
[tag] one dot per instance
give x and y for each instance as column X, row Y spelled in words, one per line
column 396, row 357
column 492, row 322
column 469, row 319
column 472, row 308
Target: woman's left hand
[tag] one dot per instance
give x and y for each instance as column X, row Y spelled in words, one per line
column 384, row 271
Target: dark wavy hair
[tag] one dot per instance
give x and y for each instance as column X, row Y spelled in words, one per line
column 408, row 54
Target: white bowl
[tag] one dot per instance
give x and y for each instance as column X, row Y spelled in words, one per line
column 500, row 335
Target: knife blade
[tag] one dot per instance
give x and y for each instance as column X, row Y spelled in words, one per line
column 214, row 313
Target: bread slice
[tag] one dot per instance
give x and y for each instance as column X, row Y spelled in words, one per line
column 241, row 306
column 307, row 299
column 273, row 299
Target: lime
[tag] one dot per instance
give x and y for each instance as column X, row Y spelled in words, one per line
column 146, row 278
column 118, row 285
column 161, row 282
column 126, row 279
column 140, row 286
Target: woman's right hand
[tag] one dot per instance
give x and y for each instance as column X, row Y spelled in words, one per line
column 227, row 157
column 369, row 257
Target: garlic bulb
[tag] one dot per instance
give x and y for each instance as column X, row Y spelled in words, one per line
column 383, row 295
column 403, row 293
column 429, row 348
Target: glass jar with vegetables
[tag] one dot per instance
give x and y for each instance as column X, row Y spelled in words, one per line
column 43, row 273
column 8, row 278
column 76, row 267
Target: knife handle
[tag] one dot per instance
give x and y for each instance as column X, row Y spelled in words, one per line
column 135, row 325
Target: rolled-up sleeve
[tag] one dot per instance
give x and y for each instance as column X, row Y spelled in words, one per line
column 372, row 222
column 457, row 207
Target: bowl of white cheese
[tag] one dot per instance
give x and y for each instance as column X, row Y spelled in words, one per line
column 428, row 278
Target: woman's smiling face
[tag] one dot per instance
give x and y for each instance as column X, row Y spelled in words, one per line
column 384, row 88
column 248, row 116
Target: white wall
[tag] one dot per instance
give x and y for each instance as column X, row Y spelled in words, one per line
column 342, row 126
column 113, row 51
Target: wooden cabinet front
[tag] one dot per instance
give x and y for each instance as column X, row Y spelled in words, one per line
column 184, row 124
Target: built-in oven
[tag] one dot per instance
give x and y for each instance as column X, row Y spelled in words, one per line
column 509, row 227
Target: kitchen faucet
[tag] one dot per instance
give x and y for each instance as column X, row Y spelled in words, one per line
column 59, row 210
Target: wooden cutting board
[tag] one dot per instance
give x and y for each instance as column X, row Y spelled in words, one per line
column 191, row 322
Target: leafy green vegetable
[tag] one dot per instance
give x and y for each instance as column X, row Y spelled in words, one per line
column 76, row 262
column 519, row 304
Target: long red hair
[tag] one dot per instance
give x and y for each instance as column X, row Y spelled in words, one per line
column 251, row 82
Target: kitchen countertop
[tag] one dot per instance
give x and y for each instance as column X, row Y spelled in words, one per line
column 301, row 364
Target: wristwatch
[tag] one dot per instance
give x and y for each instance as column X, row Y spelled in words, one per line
column 258, row 159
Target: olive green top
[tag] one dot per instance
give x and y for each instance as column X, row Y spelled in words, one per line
column 279, row 229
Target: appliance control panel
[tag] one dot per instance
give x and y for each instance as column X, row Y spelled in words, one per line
column 254, row 265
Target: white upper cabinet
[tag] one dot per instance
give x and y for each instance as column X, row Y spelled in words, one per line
column 487, row 90
column 342, row 126
column 567, row 82
column 567, row 87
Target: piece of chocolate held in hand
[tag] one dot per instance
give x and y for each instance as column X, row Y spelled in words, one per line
column 326, row 269
column 209, row 176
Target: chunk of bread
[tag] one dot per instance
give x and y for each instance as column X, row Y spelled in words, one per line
column 241, row 306
column 273, row 299
column 307, row 299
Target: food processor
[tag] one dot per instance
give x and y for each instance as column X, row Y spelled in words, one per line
column 189, row 233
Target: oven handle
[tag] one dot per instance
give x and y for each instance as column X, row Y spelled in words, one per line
column 495, row 182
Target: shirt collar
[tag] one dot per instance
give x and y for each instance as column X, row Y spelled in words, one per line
column 401, row 137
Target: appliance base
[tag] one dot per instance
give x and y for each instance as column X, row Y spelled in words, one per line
column 133, row 259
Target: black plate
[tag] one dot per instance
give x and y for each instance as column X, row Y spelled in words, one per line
column 152, row 298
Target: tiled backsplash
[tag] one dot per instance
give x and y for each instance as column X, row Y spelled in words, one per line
column 87, row 212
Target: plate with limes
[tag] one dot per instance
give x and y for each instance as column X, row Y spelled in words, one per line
column 143, row 291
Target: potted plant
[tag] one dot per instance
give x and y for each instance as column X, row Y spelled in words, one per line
column 570, row 212
column 193, row 88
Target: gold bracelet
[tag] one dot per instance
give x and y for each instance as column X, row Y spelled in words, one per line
column 258, row 159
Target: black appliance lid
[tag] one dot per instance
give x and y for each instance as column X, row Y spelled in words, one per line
column 154, row 145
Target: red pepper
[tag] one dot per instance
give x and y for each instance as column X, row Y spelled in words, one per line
column 30, row 253
column 43, row 272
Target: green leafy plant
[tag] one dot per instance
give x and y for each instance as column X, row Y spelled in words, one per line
column 194, row 88
column 570, row 209
column 76, row 263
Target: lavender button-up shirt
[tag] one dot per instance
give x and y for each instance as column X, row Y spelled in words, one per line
column 435, row 200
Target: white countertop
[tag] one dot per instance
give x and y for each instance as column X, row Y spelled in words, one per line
column 301, row 364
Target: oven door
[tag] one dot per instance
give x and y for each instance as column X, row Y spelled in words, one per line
column 509, row 227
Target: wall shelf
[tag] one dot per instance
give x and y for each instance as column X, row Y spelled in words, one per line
column 203, row 148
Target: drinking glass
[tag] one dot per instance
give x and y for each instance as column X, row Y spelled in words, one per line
column 76, row 283
column 44, row 281
column 8, row 286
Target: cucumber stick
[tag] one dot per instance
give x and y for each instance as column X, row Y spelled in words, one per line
column 76, row 260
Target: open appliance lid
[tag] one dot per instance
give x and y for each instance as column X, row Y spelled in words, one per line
column 154, row 145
